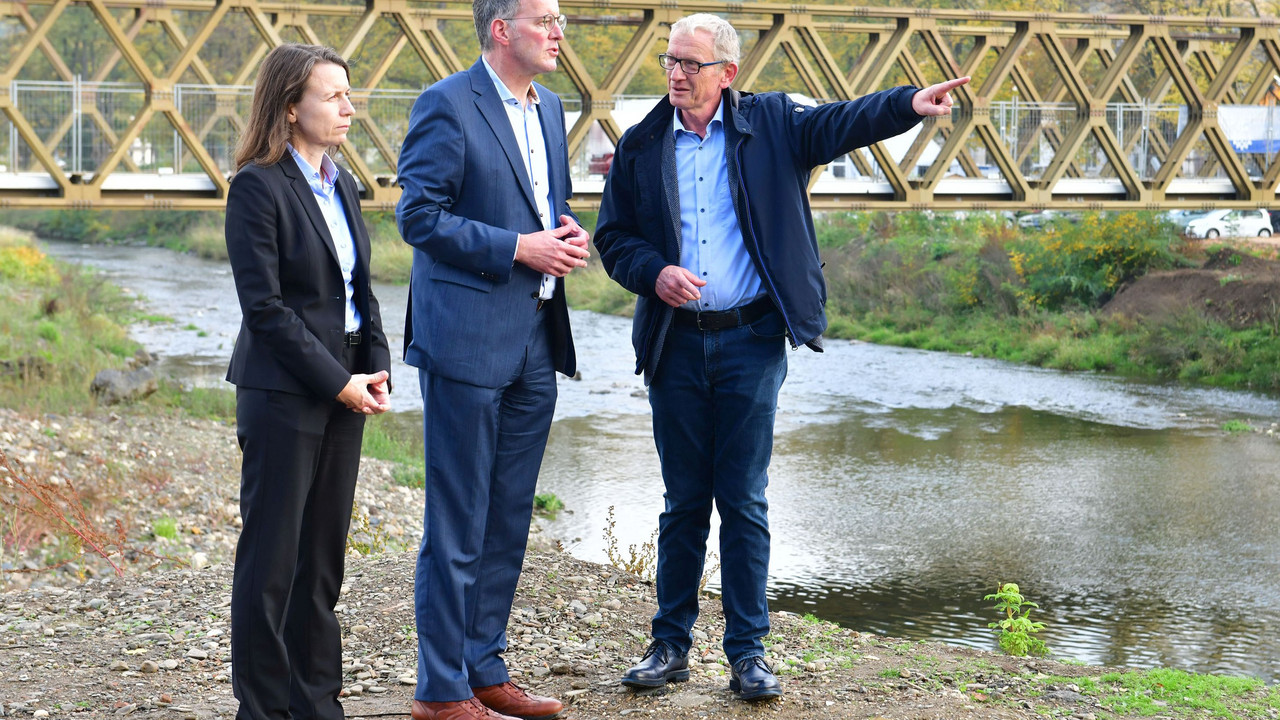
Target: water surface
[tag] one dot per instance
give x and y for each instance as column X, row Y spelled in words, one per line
column 906, row 484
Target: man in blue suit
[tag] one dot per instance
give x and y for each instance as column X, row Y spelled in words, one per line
column 485, row 173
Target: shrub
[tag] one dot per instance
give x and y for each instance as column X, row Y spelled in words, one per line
column 1083, row 265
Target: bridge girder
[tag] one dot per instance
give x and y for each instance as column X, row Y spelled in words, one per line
column 1047, row 122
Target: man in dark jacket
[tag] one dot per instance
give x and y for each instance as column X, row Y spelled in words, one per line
column 705, row 217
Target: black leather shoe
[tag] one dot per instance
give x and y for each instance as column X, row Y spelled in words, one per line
column 660, row 665
column 753, row 679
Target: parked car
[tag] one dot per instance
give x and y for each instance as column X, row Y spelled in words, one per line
column 1180, row 218
column 1043, row 219
column 1230, row 223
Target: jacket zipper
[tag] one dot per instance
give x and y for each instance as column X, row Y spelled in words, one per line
column 751, row 231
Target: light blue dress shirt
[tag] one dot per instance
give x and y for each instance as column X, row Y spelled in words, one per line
column 711, row 241
column 533, row 149
column 324, row 186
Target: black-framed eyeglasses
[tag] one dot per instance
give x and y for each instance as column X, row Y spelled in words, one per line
column 545, row 20
column 690, row 67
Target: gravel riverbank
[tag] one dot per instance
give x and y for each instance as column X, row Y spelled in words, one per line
column 80, row 642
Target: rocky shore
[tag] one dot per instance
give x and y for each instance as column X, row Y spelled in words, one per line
column 81, row 642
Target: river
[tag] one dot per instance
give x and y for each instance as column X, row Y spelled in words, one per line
column 906, row 484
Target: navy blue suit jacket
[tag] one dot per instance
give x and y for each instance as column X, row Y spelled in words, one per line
column 466, row 196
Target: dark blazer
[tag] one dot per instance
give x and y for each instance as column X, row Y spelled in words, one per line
column 466, row 196
column 771, row 145
column 290, row 284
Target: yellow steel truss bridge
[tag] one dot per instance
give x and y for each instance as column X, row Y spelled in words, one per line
column 138, row 103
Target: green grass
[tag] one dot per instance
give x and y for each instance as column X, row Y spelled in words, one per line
column 209, row 403
column 60, row 327
column 388, row 437
column 547, row 504
column 1236, row 426
column 165, row 527
column 1175, row 693
column 590, row 288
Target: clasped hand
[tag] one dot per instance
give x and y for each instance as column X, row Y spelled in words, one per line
column 557, row 251
column 366, row 394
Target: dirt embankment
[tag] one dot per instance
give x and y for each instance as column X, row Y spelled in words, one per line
column 1233, row 287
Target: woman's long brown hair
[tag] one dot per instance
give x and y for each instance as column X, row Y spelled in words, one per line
column 282, row 79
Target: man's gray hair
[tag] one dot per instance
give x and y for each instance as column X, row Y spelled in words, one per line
column 485, row 12
column 723, row 35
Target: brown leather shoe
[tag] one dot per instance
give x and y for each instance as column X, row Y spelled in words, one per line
column 469, row 709
column 510, row 699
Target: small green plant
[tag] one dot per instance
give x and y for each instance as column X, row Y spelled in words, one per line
column 408, row 476
column 165, row 527
column 1228, row 279
column 1236, row 426
column 1017, row 629
column 547, row 504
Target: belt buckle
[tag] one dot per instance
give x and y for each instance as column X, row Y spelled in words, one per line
column 697, row 319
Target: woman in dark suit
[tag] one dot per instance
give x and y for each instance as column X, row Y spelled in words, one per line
column 311, row 361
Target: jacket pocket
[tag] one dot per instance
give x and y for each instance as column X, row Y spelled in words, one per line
column 445, row 272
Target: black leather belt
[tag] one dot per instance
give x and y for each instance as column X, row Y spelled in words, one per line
column 725, row 319
column 351, row 339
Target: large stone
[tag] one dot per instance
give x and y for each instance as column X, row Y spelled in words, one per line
column 123, row 386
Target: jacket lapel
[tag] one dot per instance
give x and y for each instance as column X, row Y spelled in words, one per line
column 495, row 115
column 552, row 131
column 671, row 187
column 302, row 189
column 654, row 142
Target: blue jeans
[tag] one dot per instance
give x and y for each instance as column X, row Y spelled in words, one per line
column 714, row 396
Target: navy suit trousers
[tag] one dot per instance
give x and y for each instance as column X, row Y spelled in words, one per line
column 297, row 484
column 483, row 451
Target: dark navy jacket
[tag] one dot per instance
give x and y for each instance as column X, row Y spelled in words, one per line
column 772, row 144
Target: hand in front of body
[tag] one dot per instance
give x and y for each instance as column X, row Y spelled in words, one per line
column 366, row 394
column 677, row 286
column 578, row 235
column 936, row 99
column 554, row 252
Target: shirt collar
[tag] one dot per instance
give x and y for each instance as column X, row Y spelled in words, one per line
column 678, row 127
column 505, row 93
column 328, row 172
